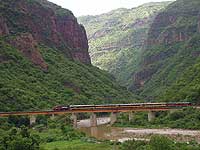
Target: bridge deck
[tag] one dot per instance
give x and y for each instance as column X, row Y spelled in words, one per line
column 5, row 114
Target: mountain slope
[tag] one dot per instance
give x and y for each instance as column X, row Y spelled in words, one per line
column 152, row 49
column 44, row 60
column 169, row 66
column 59, row 29
column 116, row 38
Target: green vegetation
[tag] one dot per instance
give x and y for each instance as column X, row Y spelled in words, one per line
column 116, row 45
column 178, row 78
column 77, row 145
column 117, row 42
column 46, row 134
column 176, row 64
column 182, row 119
column 24, row 86
column 57, row 134
column 159, row 143
column 116, row 38
column 186, row 87
column 19, row 139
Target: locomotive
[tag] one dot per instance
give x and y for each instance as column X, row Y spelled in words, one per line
column 61, row 108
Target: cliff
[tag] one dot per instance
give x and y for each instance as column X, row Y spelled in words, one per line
column 152, row 49
column 28, row 46
column 46, row 25
column 3, row 27
column 44, row 60
column 116, row 38
column 170, row 54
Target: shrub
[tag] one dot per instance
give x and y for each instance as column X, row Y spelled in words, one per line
column 161, row 143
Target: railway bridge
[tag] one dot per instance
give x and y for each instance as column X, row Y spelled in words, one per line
column 113, row 109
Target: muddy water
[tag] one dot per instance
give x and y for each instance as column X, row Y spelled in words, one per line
column 103, row 132
column 121, row 134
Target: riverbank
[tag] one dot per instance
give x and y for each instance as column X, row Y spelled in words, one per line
column 120, row 134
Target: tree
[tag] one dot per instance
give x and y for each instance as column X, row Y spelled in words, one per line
column 161, row 143
column 19, row 139
column 133, row 145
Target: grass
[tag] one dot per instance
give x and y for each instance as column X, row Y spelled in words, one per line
column 76, row 145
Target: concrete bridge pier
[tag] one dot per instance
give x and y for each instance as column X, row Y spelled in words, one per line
column 32, row 120
column 74, row 118
column 172, row 111
column 52, row 117
column 151, row 116
column 130, row 116
column 113, row 118
column 94, row 131
column 93, row 120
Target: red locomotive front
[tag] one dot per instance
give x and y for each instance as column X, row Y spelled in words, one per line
column 61, row 108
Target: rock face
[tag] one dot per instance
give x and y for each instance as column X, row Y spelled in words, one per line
column 28, row 46
column 48, row 27
column 116, row 38
column 40, row 44
column 174, row 33
column 3, row 27
column 75, row 35
column 198, row 25
column 171, row 47
column 72, row 86
column 157, row 57
column 196, row 54
column 146, row 73
column 141, row 77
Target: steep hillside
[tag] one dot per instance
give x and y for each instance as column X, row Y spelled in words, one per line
column 152, row 49
column 44, row 60
column 169, row 66
column 54, row 27
column 116, row 38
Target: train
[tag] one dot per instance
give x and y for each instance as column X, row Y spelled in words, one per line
column 121, row 106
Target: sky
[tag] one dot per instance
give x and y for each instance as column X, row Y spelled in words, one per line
column 95, row 7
